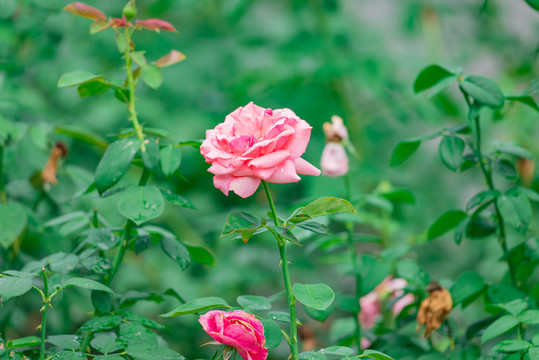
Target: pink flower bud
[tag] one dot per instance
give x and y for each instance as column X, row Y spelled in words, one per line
column 156, row 25
column 84, row 10
column 334, row 160
column 335, row 131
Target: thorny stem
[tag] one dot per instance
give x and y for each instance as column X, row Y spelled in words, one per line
column 3, row 199
column 353, row 260
column 46, row 304
column 132, row 88
column 487, row 173
column 118, row 257
column 293, row 341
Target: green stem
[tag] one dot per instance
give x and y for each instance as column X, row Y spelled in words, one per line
column 46, row 304
column 118, row 257
column 3, row 198
column 293, row 342
column 353, row 260
column 487, row 173
column 132, row 87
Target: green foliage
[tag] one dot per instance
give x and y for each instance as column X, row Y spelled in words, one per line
column 316, row 296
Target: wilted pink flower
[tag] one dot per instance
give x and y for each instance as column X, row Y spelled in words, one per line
column 238, row 329
column 335, row 131
column 334, row 160
column 255, row 144
column 371, row 307
column 371, row 304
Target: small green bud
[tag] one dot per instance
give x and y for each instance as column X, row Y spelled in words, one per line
column 130, row 11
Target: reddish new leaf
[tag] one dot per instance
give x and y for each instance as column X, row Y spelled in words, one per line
column 84, row 10
column 156, row 25
column 173, row 57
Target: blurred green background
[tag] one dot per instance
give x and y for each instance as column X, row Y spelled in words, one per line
column 357, row 59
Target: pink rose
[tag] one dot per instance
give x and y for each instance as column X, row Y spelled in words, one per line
column 334, row 160
column 256, row 144
column 371, row 307
column 238, row 329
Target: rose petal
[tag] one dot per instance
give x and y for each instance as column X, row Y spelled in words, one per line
column 244, row 186
column 304, row 167
column 285, row 173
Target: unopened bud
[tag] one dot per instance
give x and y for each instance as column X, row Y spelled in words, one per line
column 129, row 11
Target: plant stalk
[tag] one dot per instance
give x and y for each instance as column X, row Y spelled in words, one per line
column 353, row 260
column 132, row 89
column 118, row 257
column 487, row 173
column 46, row 304
column 293, row 342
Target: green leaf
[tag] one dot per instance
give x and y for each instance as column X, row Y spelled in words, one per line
column 451, row 152
column 139, row 58
column 516, row 210
column 311, row 355
column 403, row 151
column 108, row 357
column 102, row 238
column 240, row 222
column 86, row 284
column 200, row 255
column 115, row 163
column 401, row 196
column 505, row 169
column 514, row 307
column 525, row 99
column 69, row 355
column 170, row 159
column 82, row 135
column 534, row 351
column 285, row 233
column 76, row 78
column 272, row 333
column 146, row 351
column 93, row 88
column 375, row 355
column 499, row 327
column 197, row 305
column 13, row 220
column 177, row 199
column 121, row 42
column 337, row 350
column 316, row 296
column 150, row 157
column 411, row 271
column 325, row 206
column 435, row 78
column 468, row 285
column 529, row 317
column 27, row 341
column 484, row 90
column 512, row 149
column 176, row 251
column 107, row 344
column 141, row 203
column 101, row 323
column 152, row 75
column 69, row 342
column 447, row 221
column 314, row 227
column 11, row 286
column 510, row 345
column 319, row 315
column 253, row 302
column 279, row 316
column 482, row 198
column 534, row 4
